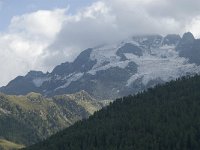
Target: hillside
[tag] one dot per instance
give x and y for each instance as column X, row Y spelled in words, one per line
column 118, row 69
column 33, row 117
column 7, row 145
column 163, row 118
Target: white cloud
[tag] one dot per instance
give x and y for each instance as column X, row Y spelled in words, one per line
column 111, row 20
column 194, row 26
column 42, row 23
column 28, row 35
column 43, row 39
column 89, row 27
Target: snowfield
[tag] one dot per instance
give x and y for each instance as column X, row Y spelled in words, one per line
column 162, row 62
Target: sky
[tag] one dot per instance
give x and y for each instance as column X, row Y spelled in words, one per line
column 10, row 8
column 40, row 34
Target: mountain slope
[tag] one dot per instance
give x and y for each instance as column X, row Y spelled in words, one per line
column 7, row 145
column 189, row 47
column 165, row 117
column 31, row 118
column 118, row 69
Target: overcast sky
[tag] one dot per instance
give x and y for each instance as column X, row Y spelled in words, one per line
column 40, row 34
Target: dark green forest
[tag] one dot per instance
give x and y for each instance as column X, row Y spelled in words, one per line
column 166, row 117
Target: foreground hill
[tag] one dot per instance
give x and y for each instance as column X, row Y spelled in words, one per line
column 118, row 69
column 31, row 118
column 7, row 145
column 163, row 118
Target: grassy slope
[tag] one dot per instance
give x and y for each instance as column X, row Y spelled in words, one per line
column 31, row 118
column 7, row 145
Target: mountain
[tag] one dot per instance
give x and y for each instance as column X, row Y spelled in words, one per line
column 162, row 118
column 115, row 70
column 28, row 119
column 189, row 48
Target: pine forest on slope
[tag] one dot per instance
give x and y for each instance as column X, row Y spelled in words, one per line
column 162, row 118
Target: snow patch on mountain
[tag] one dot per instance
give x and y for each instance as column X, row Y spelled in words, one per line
column 71, row 78
column 120, row 64
column 158, row 61
column 106, row 58
column 104, row 54
column 39, row 81
column 163, row 63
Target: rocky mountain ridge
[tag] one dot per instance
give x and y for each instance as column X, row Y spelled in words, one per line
column 118, row 69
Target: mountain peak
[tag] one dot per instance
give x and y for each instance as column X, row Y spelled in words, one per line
column 33, row 73
column 188, row 38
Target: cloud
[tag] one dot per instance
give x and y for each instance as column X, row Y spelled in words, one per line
column 45, row 38
column 193, row 26
column 108, row 21
column 28, row 35
column 43, row 23
column 153, row 16
column 89, row 27
column 179, row 9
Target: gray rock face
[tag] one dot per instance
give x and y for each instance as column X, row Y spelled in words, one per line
column 128, row 48
column 187, row 38
column 82, row 63
column 112, row 71
column 189, row 47
column 171, row 39
column 149, row 41
column 23, row 85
